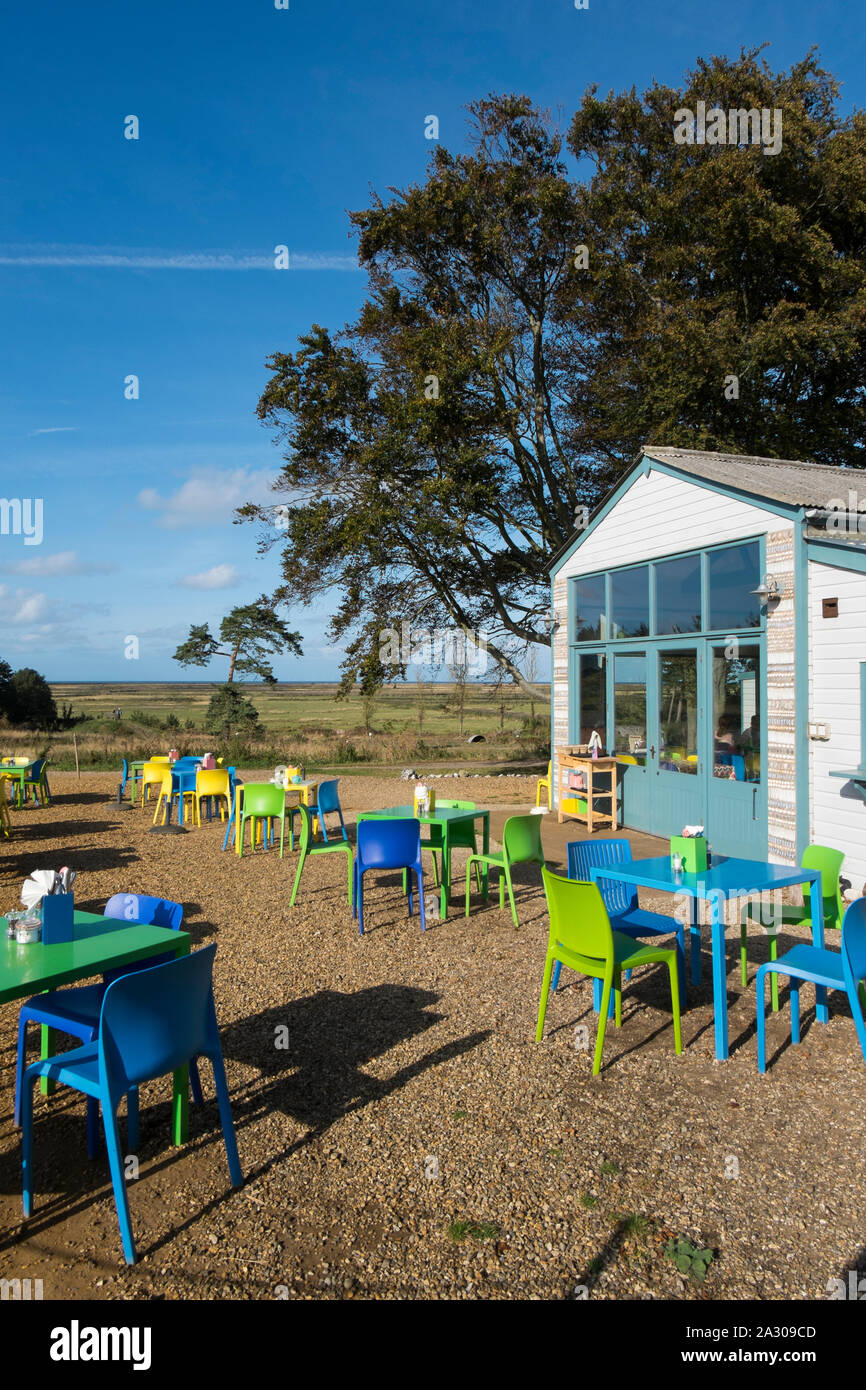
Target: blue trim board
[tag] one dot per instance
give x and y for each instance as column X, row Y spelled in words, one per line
column 838, row 553
column 647, row 465
column 802, row 659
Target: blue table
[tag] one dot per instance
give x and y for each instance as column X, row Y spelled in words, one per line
column 725, row 879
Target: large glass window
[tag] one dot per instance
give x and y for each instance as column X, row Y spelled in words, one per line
column 593, row 696
column 678, row 712
column 737, row 713
column 733, row 573
column 678, row 595
column 629, row 602
column 629, row 707
column 589, row 619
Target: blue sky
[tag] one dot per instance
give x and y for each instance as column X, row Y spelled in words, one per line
column 258, row 127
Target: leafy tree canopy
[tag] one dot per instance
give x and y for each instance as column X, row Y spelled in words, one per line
column 526, row 332
column 248, row 636
column 30, row 700
column 230, row 713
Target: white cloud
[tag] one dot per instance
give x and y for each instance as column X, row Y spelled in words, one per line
column 209, row 496
column 137, row 258
column 64, row 562
column 218, row 577
column 22, row 606
column 55, row 429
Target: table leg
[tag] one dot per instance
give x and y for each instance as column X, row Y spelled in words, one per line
column 485, row 870
column 822, row 1013
column 180, row 1094
column 720, row 987
column 445, row 890
column 48, row 1049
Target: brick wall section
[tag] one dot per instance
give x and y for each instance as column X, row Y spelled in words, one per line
column 780, row 759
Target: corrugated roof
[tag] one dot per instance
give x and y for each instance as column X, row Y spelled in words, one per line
column 781, row 480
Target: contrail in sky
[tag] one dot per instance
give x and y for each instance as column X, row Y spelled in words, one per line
column 130, row 258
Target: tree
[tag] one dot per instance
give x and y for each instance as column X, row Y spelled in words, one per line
column 229, row 713
column 525, row 334
column 5, row 690
column 248, row 635
column 31, row 701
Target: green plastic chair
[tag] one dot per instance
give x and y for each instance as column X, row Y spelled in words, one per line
column 581, row 937
column 307, row 848
column 521, row 844
column 829, row 863
column 460, row 836
column 262, row 801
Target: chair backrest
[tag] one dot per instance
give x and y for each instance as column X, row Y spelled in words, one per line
column 264, row 799
column 854, row 941
column 578, row 917
column 455, row 805
column 145, row 911
column 738, row 763
column 159, row 758
column 521, row 840
column 36, row 770
column 328, row 798
column 212, row 782
column 155, row 1020
column 389, row 844
column 584, row 855
column 829, row 863
column 137, row 909
column 154, row 771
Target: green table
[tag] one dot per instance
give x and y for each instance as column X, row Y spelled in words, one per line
column 101, row 943
column 444, row 819
column 19, row 774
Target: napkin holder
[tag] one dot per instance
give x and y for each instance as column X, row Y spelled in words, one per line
column 58, row 919
column 692, row 849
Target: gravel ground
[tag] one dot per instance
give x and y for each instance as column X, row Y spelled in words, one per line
column 401, row 1133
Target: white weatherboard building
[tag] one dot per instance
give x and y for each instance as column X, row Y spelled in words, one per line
column 741, row 710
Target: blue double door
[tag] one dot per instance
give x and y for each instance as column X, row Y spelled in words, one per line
column 686, row 718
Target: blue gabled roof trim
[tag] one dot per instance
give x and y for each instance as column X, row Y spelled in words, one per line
column 648, row 464
column 838, row 553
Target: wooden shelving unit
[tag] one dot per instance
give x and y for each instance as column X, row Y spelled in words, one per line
column 595, row 771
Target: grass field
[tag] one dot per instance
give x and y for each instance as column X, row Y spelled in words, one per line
column 413, row 722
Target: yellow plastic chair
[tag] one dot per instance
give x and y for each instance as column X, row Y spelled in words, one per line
column 159, row 758
column 626, row 758
column 212, row 782
column 5, row 818
column 164, row 800
column 546, row 783
column 151, row 776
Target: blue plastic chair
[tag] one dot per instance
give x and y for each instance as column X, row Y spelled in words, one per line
column 76, row 1010
column 621, row 903
column 815, row 965
column 124, row 776
column 387, row 844
column 37, row 783
column 738, row 763
column 151, row 1023
column 327, row 801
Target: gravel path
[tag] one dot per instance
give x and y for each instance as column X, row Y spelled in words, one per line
column 401, row 1133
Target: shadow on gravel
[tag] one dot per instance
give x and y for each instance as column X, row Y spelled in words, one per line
column 311, row 1052
column 82, row 860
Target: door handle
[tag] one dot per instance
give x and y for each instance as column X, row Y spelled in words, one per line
column 652, row 752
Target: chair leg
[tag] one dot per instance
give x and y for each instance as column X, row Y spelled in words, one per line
column 421, row 899
column 617, row 1001
column 118, row 1181
column 795, row 1010
column 774, row 978
column 19, row 1073
column 744, row 975
column 301, row 863
column 282, row 834
column 225, row 1109
column 674, row 967
column 360, row 901
column 556, row 973
column 132, row 1120
column 27, row 1145
column 602, row 1023
column 762, row 1022
column 545, row 990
